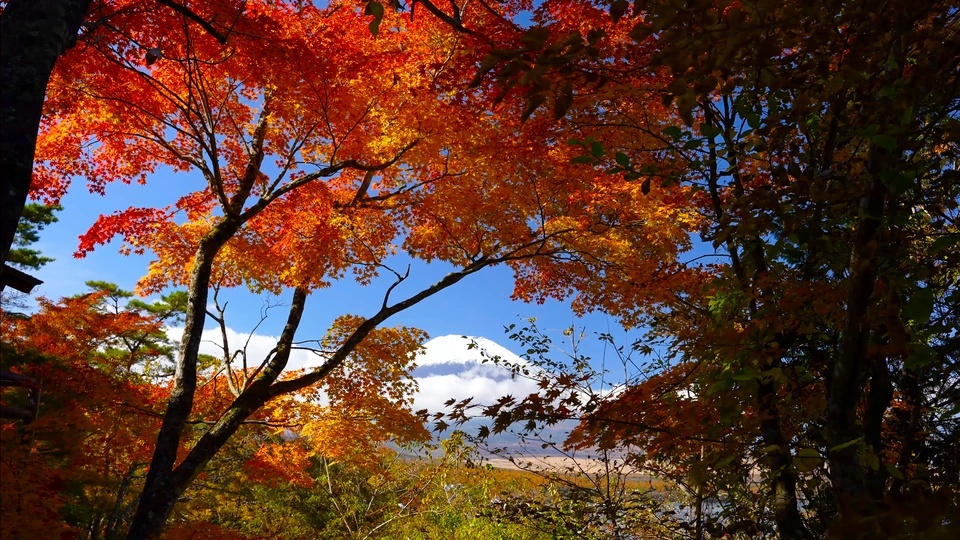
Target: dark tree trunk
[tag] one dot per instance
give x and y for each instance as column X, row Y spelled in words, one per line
column 33, row 33
column 783, row 479
column 851, row 369
column 160, row 489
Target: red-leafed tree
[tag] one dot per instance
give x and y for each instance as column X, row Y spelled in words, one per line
column 323, row 148
column 96, row 357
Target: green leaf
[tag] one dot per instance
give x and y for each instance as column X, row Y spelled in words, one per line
column 622, row 160
column 674, row 132
column 944, row 242
column 884, row 141
column 532, row 105
column 893, row 471
column 847, row 444
column 645, row 186
column 692, row 144
column 920, row 306
column 584, row 160
column 617, row 9
column 907, row 117
column 721, row 385
column 709, row 131
column 596, row 149
column 641, row 31
column 563, row 101
column 921, row 355
column 725, row 462
column 890, row 92
column 595, row 35
column 376, row 9
column 488, row 63
column 807, row 460
column 535, row 37
column 745, row 375
column 897, row 180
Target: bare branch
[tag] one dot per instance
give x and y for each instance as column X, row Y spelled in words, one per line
column 186, row 12
column 452, row 20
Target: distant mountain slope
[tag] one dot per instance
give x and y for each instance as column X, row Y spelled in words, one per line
column 450, row 368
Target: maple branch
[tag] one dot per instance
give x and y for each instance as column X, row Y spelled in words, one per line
column 264, row 313
column 367, row 326
column 454, row 20
column 251, row 399
column 500, row 16
column 277, row 358
column 362, row 190
column 400, row 279
column 155, row 414
column 252, row 172
column 387, row 311
column 227, row 356
column 406, row 188
column 266, row 423
column 205, row 133
column 182, row 105
column 187, row 12
column 275, row 192
column 295, row 147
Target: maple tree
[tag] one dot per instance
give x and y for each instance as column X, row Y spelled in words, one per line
column 318, row 153
column 34, row 35
column 77, row 470
column 813, row 145
column 75, row 463
column 104, row 359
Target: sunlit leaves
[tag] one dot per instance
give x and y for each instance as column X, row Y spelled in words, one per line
column 99, row 356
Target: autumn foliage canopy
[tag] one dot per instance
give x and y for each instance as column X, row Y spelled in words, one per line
column 769, row 192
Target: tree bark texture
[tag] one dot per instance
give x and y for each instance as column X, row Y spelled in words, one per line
column 33, row 34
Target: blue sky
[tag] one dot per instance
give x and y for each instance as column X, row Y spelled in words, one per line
column 480, row 305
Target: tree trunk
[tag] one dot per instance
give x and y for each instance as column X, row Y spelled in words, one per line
column 783, row 480
column 33, row 34
column 848, row 377
column 160, row 491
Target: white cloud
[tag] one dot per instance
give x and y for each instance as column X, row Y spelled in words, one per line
column 447, row 367
column 257, row 347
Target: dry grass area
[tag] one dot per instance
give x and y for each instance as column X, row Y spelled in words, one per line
column 568, row 467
